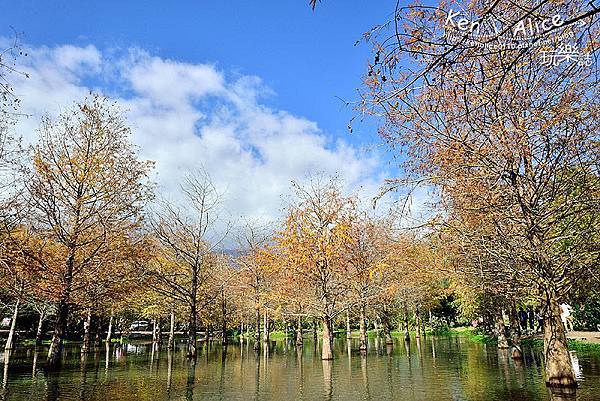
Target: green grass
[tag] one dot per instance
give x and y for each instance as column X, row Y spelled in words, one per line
column 582, row 346
column 536, row 343
column 478, row 337
column 31, row 341
column 574, row 345
column 278, row 335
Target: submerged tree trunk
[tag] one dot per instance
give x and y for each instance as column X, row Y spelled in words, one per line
column 299, row 339
column 257, row 331
column 406, row 325
column 348, row 330
column 157, row 332
column 559, row 368
column 55, row 351
column 224, row 317
column 192, row 333
column 224, row 332
column 96, row 331
column 171, row 343
column 362, row 329
column 87, row 329
column 265, row 326
column 327, row 352
column 515, row 333
column 40, row 327
column 62, row 316
column 502, row 341
column 13, row 324
column 387, row 329
column 418, row 322
column 110, row 329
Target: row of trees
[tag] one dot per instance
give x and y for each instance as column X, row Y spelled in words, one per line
column 332, row 261
column 85, row 240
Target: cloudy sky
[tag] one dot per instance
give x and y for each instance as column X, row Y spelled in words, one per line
column 249, row 93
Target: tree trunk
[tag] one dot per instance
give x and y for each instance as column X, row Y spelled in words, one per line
column 502, row 341
column 55, row 351
column 515, row 333
column 388, row 334
column 314, row 330
column 387, row 329
column 348, row 329
column 559, row 368
column 224, row 332
column 124, row 330
column 362, row 329
column 62, row 316
column 192, row 345
column 110, row 328
column 224, row 321
column 40, row 327
column 13, row 325
column 418, row 322
column 406, row 325
column 87, row 328
column 171, row 343
column 157, row 332
column 265, row 326
column 96, row 331
column 327, row 352
column 257, row 331
column 192, row 333
column 299, row 339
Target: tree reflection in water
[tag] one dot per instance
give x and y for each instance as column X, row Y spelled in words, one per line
column 434, row 369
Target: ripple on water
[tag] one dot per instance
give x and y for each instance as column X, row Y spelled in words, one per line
column 432, row 369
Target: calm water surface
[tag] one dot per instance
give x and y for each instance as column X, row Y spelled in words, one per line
column 444, row 368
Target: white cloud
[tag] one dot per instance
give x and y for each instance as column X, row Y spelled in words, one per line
column 168, row 83
column 185, row 116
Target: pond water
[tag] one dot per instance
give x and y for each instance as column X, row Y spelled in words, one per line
column 434, row 368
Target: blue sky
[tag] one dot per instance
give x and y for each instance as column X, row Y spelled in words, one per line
column 307, row 58
column 247, row 90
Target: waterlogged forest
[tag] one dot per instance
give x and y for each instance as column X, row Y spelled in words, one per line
column 111, row 288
